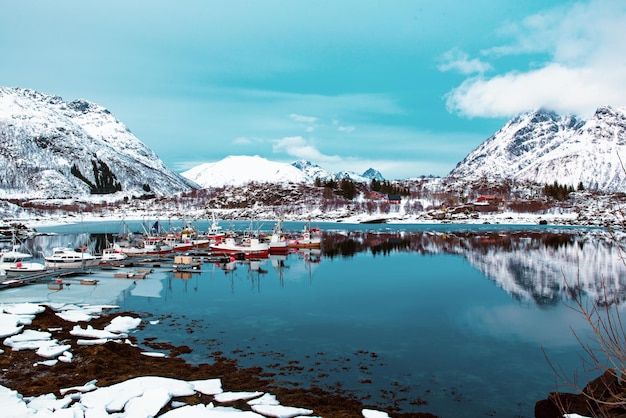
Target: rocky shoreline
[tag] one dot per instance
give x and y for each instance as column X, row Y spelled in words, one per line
column 113, row 362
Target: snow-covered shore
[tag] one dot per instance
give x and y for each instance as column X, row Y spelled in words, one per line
column 505, row 218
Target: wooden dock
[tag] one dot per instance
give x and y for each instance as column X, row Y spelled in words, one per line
column 43, row 277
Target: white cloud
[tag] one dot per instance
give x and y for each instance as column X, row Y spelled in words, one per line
column 346, row 129
column 457, row 60
column 302, row 118
column 298, row 147
column 242, row 141
column 582, row 64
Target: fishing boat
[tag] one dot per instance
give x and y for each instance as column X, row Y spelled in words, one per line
column 68, row 258
column 309, row 238
column 249, row 246
column 179, row 242
column 148, row 245
column 277, row 243
column 215, row 234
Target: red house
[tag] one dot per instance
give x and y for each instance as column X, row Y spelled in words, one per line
column 394, row 199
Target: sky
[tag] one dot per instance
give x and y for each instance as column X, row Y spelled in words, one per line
column 407, row 87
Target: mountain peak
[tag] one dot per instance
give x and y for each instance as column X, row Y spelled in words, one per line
column 373, row 174
column 543, row 147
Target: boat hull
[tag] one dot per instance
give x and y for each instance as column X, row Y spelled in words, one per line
column 260, row 253
column 305, row 244
column 25, row 270
column 250, row 247
column 79, row 264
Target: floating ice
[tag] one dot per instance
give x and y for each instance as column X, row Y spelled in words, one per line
column 87, row 387
column 9, row 325
column 153, row 354
column 279, row 411
column 53, row 350
column 26, row 337
column 91, row 332
column 371, row 413
column 24, row 309
column 208, row 387
column 75, row 316
column 123, row 324
column 236, row 396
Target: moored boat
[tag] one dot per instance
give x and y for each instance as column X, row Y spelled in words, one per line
column 249, row 246
column 148, row 245
column 112, row 256
column 179, row 242
column 309, row 238
column 16, row 263
column 277, row 243
column 64, row 257
column 215, row 234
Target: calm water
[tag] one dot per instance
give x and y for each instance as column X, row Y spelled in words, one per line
column 441, row 319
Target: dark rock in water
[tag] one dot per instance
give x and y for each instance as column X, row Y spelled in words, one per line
column 557, row 402
column 603, row 396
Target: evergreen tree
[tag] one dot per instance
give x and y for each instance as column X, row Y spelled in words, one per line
column 348, row 189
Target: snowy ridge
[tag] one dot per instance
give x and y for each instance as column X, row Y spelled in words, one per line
column 542, row 147
column 52, row 148
column 238, row 170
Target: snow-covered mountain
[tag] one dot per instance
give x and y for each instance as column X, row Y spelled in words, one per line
column 50, row 148
column 544, row 147
column 237, row 170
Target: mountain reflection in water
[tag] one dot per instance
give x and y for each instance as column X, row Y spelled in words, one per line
column 545, row 267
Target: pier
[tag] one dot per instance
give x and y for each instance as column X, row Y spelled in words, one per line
column 43, row 277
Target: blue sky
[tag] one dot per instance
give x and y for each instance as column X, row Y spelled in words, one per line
column 406, row 87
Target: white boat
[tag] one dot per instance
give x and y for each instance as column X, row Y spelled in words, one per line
column 63, row 257
column 149, row 245
column 111, row 256
column 16, row 263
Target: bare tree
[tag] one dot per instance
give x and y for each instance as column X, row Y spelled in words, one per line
column 603, row 351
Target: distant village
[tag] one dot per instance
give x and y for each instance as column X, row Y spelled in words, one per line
column 423, row 199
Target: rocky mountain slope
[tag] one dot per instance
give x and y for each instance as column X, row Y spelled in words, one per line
column 544, row 147
column 50, row 148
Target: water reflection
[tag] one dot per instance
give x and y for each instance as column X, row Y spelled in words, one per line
column 536, row 266
column 413, row 318
column 533, row 266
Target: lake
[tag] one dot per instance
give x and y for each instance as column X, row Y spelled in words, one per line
column 452, row 320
